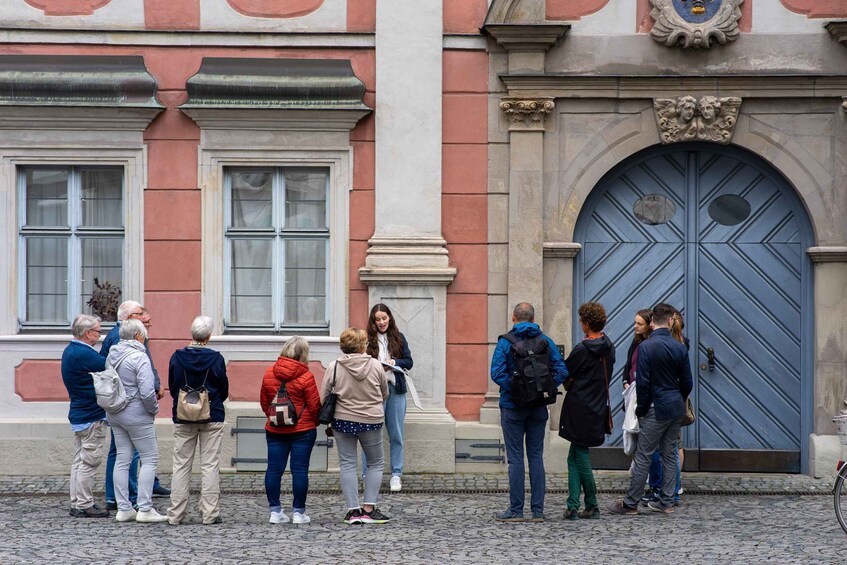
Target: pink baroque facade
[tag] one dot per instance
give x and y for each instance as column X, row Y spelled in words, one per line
column 572, row 9
column 818, row 8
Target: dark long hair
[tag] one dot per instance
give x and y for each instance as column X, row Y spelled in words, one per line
column 647, row 316
column 395, row 344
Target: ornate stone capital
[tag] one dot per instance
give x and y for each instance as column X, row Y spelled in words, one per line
column 526, row 113
column 695, row 24
column 838, row 31
column 686, row 118
column 561, row 250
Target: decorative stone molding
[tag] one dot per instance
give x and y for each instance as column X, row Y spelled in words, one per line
column 686, row 118
column 526, row 37
column 696, row 27
column 838, row 30
column 562, row 250
column 407, row 261
column 527, row 113
column 67, row 7
column 828, row 254
column 278, row 9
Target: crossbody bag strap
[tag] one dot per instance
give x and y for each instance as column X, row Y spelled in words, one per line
column 185, row 378
column 608, row 398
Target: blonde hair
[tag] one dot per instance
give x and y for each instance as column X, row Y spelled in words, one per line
column 676, row 327
column 353, row 340
column 296, row 348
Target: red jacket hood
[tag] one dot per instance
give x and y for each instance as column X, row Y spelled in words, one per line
column 286, row 369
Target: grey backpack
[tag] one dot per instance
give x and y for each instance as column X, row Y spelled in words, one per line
column 110, row 391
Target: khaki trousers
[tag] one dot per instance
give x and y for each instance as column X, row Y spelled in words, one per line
column 186, row 438
column 88, row 454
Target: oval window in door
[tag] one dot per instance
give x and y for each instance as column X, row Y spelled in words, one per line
column 729, row 209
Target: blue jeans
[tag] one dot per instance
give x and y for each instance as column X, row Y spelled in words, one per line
column 654, row 478
column 395, row 416
column 299, row 446
column 517, row 424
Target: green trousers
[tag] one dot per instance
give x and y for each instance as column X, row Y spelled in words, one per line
column 581, row 476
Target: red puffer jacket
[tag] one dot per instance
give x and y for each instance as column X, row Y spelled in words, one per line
column 301, row 387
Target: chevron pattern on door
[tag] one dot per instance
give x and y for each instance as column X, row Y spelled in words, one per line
column 731, row 259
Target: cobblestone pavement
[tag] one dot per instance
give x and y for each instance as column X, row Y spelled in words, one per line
column 434, row 528
column 607, row 481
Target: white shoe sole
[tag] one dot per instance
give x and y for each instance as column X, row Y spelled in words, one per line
column 282, row 520
column 301, row 520
column 129, row 517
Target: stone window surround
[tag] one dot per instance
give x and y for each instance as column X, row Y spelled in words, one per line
column 213, row 161
column 133, row 162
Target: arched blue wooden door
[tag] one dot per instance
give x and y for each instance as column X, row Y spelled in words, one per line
column 715, row 232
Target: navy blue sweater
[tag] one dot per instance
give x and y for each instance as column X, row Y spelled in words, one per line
column 190, row 366
column 78, row 360
column 662, row 376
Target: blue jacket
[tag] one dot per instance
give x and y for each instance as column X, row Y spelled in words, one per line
column 662, row 376
column 189, row 366
column 503, row 364
column 113, row 337
column 78, row 360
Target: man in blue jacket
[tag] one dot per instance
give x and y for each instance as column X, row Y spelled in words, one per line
column 523, row 424
column 662, row 383
column 88, row 420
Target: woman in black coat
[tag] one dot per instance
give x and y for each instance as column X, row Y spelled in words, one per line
column 586, row 416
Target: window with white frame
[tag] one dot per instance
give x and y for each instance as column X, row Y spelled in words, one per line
column 71, row 243
column 277, row 248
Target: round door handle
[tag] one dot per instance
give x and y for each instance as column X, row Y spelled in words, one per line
column 704, row 367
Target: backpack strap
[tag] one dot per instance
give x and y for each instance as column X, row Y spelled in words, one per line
column 285, row 388
column 511, row 338
column 185, row 378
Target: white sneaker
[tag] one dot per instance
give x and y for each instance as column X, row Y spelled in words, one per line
column 279, row 518
column 395, row 484
column 301, row 518
column 125, row 516
column 150, row 517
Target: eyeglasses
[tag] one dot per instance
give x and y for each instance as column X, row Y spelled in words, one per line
column 98, row 330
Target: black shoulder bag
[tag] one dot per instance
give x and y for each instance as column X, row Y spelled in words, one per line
column 327, row 413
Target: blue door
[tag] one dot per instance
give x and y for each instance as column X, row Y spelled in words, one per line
column 719, row 235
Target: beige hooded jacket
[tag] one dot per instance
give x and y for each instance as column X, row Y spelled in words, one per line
column 361, row 387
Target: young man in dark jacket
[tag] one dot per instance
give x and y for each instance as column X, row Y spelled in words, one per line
column 88, row 420
column 523, row 424
column 663, row 382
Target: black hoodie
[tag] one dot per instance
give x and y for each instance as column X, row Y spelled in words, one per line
column 586, row 418
column 197, row 365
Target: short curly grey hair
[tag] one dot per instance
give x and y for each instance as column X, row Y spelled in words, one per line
column 201, row 329
column 131, row 328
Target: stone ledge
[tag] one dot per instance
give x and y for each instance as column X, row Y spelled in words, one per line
column 828, row 254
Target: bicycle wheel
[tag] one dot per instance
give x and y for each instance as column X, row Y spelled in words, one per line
column 840, row 497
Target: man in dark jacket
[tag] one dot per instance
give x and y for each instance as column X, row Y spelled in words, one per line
column 663, row 382
column 519, row 423
column 88, row 420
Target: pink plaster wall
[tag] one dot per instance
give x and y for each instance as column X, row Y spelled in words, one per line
column 275, row 8
column 245, row 378
column 464, row 16
column 361, row 15
column 67, row 7
column 572, row 9
column 40, row 380
column 172, row 14
column 818, row 8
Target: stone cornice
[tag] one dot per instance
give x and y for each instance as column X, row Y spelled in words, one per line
column 838, row 30
column 526, row 37
column 584, row 86
column 267, row 119
column 527, row 113
column 55, row 118
column 828, row 254
column 79, row 81
column 563, row 250
column 407, row 261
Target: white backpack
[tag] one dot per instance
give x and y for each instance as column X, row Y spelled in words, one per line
column 110, row 391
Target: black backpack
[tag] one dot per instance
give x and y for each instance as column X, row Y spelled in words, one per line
column 283, row 413
column 532, row 380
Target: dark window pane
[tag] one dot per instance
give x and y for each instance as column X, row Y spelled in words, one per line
column 729, row 209
column 654, row 209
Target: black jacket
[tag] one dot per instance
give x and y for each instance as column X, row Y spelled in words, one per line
column 192, row 364
column 662, row 376
column 586, row 418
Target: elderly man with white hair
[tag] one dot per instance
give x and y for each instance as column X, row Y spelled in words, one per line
column 128, row 310
column 87, row 419
column 198, row 367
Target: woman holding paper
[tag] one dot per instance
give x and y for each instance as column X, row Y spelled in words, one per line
column 389, row 346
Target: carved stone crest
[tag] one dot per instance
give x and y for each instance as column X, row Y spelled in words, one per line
column 527, row 113
column 695, row 24
column 688, row 119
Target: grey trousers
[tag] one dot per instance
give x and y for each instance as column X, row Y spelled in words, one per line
column 654, row 433
column 347, row 444
column 88, row 454
column 143, row 438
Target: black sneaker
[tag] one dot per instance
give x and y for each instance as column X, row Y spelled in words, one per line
column 374, row 517
column 650, row 496
column 216, row 520
column 94, row 512
column 111, row 505
column 77, row 513
column 353, row 516
column 571, row 515
column 161, row 492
